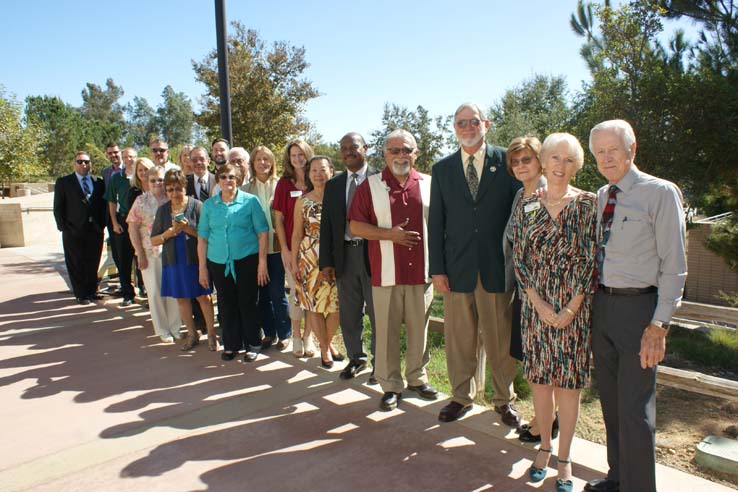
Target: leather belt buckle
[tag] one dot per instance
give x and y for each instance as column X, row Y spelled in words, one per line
column 626, row 291
column 354, row 242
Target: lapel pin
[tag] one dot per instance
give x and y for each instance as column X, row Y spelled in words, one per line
column 493, row 169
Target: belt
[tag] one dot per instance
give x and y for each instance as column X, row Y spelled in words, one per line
column 627, row 291
column 353, row 242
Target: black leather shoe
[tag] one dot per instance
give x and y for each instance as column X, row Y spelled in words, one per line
column 267, row 342
column 126, row 302
column 453, row 411
column 354, row 367
column 94, row 297
column 510, row 416
column 372, row 380
column 389, row 401
column 425, row 391
column 83, row 301
column 228, row 355
column 602, row 485
column 527, row 436
column 328, row 364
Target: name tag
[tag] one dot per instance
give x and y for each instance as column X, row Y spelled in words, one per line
column 295, row 193
column 531, row 207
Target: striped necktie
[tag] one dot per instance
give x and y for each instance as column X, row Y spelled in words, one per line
column 471, row 177
column 204, row 195
column 605, row 226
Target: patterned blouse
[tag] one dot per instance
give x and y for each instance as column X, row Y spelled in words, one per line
column 142, row 215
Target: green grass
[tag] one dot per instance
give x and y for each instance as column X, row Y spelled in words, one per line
column 715, row 348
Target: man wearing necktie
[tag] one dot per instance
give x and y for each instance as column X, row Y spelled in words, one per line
column 200, row 184
column 346, row 256
column 642, row 269
column 79, row 211
column 471, row 198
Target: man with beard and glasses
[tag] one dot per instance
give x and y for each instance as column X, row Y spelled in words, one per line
column 471, row 197
column 345, row 256
column 390, row 211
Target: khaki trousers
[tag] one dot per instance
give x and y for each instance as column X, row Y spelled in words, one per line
column 465, row 316
column 392, row 306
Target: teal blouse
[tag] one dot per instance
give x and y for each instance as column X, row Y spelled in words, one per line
column 231, row 229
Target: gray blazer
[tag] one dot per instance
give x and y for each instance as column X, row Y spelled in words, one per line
column 163, row 221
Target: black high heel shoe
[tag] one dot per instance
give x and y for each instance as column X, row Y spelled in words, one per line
column 527, row 436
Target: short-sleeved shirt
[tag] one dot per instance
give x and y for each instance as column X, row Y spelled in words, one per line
column 142, row 214
column 285, row 197
column 406, row 203
column 231, row 228
column 117, row 192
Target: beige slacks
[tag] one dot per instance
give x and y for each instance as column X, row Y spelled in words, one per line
column 392, row 306
column 164, row 310
column 466, row 316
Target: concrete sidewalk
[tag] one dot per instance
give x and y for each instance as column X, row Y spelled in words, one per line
column 91, row 400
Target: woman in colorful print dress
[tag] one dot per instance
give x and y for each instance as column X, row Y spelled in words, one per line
column 554, row 243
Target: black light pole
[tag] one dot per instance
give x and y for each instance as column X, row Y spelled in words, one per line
column 221, row 30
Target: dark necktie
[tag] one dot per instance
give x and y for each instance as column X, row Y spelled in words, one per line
column 204, row 195
column 350, row 198
column 605, row 226
column 86, row 187
column 471, row 177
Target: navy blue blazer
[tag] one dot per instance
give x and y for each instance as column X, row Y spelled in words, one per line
column 465, row 235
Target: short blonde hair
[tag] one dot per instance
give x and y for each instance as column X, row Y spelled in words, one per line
column 553, row 140
column 521, row 143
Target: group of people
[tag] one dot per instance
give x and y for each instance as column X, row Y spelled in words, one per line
column 530, row 266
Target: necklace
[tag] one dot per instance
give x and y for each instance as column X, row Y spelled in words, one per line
column 552, row 203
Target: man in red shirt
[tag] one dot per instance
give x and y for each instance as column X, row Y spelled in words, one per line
column 390, row 210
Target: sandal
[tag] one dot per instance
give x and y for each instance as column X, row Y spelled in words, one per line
column 213, row 343
column 191, row 341
column 538, row 474
column 561, row 484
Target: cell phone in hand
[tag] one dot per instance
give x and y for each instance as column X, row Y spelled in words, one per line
column 179, row 217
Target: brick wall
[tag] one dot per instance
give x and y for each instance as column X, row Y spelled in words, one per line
column 708, row 273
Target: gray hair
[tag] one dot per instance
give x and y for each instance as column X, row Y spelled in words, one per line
column 620, row 127
column 474, row 107
column 239, row 150
column 553, row 140
column 399, row 133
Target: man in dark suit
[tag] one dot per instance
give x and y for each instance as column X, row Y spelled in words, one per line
column 201, row 183
column 79, row 211
column 345, row 256
column 471, row 197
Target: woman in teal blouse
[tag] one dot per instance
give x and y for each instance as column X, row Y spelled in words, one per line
column 232, row 247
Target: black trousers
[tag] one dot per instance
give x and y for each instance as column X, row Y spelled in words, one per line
column 82, row 256
column 237, row 303
column 627, row 392
column 355, row 301
column 122, row 247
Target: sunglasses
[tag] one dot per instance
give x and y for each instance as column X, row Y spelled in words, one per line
column 154, row 181
column 400, row 150
column 159, row 151
column 224, row 177
column 174, row 190
column 524, row 161
column 475, row 122
column 83, row 161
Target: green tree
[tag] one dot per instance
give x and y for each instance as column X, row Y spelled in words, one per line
column 19, row 143
column 332, row 150
column 141, row 124
column 268, row 90
column 431, row 134
column 175, row 117
column 102, row 112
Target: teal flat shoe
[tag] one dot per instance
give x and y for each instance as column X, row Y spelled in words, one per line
column 564, row 485
column 538, row 474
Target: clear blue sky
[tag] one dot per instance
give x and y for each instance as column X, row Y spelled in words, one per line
column 362, row 54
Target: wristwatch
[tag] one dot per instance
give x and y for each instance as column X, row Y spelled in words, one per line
column 660, row 324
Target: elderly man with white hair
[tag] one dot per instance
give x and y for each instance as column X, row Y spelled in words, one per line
column 390, row 210
column 642, row 269
column 240, row 158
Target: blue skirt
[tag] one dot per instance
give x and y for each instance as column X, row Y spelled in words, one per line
column 181, row 280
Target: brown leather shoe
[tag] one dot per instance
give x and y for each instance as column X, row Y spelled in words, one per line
column 510, row 416
column 453, row 411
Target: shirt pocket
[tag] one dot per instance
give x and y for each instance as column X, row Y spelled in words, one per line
column 631, row 234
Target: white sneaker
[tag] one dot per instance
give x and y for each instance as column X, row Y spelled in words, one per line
column 297, row 349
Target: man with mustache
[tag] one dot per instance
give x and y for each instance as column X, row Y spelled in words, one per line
column 471, row 197
column 345, row 256
column 219, row 151
column 390, row 211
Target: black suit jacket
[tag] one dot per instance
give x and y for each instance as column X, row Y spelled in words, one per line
column 75, row 214
column 465, row 235
column 333, row 224
column 190, row 189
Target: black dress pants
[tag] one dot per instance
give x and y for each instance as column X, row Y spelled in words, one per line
column 82, row 253
column 121, row 245
column 237, row 303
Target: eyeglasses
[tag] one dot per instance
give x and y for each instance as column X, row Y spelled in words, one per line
column 224, row 177
column 159, row 151
column 158, row 180
column 238, row 161
column 525, row 161
column 83, row 161
column 475, row 122
column 398, row 150
column 174, row 190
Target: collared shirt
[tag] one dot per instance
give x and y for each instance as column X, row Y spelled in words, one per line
column 647, row 239
column 479, row 156
column 109, row 171
column 205, row 178
column 90, row 183
column 265, row 193
column 117, row 192
column 231, row 228
column 406, row 203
